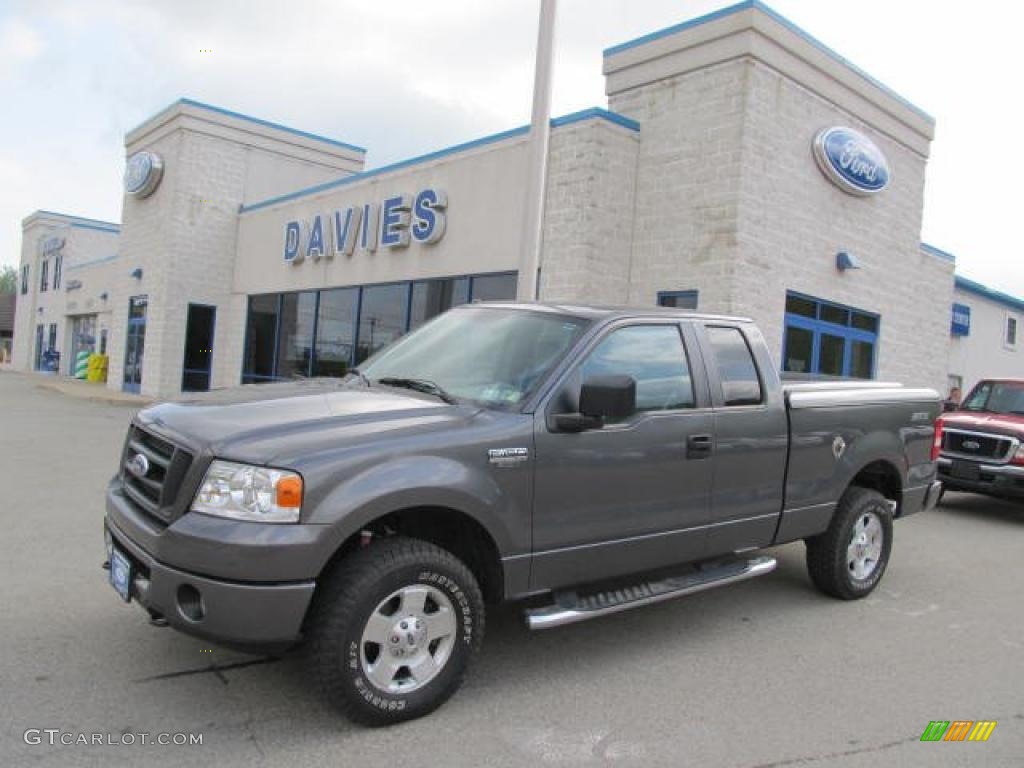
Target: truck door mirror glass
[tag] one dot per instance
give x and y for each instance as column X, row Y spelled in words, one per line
column 609, row 398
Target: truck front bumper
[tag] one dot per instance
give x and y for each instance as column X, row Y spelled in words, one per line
column 1005, row 480
column 248, row 616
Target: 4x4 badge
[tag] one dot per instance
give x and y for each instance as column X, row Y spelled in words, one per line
column 505, row 457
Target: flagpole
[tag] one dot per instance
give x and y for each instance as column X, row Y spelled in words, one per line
column 537, row 162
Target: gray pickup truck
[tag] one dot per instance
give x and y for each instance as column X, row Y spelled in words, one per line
column 592, row 459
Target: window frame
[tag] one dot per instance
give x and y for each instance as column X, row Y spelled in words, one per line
column 24, row 279
column 718, row 393
column 547, row 396
column 681, row 294
column 817, row 327
column 44, row 275
column 1010, row 320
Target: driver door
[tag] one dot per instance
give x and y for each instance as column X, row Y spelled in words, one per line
column 633, row 495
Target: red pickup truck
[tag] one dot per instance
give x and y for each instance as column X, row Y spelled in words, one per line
column 982, row 441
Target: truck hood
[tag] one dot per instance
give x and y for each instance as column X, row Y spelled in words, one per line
column 980, row 421
column 261, row 422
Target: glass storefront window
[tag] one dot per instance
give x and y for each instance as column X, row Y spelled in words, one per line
column 349, row 324
column 799, row 346
column 381, row 317
column 432, row 297
column 831, row 354
column 829, row 339
column 494, row 287
column 260, row 338
column 295, row 335
column 335, row 331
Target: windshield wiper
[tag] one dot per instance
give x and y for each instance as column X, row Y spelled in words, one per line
column 419, row 385
column 361, row 375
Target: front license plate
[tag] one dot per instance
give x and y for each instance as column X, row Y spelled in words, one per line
column 121, row 575
column 965, row 470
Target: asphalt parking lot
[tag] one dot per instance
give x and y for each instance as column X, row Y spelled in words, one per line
column 766, row 673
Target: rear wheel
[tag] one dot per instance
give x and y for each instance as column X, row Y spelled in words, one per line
column 394, row 630
column 848, row 560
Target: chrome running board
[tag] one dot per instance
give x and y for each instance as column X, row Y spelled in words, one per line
column 570, row 607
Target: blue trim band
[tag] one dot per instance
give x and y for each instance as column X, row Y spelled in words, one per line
column 81, row 221
column 931, row 250
column 523, row 130
column 596, row 113
column 752, row 4
column 984, row 291
column 258, row 121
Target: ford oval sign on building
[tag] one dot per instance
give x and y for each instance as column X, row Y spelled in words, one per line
column 851, row 161
column 142, row 173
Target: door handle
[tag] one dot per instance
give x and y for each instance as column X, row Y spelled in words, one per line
column 698, row 446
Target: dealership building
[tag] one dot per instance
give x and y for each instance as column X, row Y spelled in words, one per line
column 739, row 167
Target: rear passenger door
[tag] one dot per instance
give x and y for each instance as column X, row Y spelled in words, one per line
column 751, row 438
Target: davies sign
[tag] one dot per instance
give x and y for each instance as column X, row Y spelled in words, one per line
column 851, row 161
column 391, row 224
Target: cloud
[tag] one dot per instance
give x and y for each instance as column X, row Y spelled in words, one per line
column 19, row 42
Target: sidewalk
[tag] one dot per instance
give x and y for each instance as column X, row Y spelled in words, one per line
column 82, row 390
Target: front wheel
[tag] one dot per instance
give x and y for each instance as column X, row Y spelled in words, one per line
column 847, row 561
column 394, row 630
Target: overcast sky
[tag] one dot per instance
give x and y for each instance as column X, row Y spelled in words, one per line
column 402, row 78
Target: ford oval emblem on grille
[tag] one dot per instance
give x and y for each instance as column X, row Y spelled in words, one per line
column 138, row 465
column 971, row 445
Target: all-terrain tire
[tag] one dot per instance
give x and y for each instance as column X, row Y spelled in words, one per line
column 839, row 560
column 357, row 593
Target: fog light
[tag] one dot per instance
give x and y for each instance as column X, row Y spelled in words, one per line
column 190, row 603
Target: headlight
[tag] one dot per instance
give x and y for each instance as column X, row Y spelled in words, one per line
column 245, row 492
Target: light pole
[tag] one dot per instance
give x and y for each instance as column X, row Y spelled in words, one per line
column 537, row 161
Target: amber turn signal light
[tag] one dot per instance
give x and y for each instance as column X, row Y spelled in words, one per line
column 289, row 492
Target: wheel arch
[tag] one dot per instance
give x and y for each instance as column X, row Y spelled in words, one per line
column 883, row 476
column 447, row 527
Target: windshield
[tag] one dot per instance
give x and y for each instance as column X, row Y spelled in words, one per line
column 492, row 355
column 997, row 397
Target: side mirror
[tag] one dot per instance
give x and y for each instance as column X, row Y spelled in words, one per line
column 949, row 405
column 602, row 398
column 609, row 398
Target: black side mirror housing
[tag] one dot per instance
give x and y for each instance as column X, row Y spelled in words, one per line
column 609, row 398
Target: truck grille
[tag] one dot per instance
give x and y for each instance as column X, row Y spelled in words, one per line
column 975, row 445
column 152, row 470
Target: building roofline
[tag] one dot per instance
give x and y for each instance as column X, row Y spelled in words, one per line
column 75, row 221
column 594, row 113
column 966, row 284
column 186, row 102
column 931, row 250
column 747, row 5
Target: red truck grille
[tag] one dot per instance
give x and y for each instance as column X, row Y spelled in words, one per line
column 152, row 470
column 975, row 445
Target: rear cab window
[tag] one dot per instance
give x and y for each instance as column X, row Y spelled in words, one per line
column 738, row 375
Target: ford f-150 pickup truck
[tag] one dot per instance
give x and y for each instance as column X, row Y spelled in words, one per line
column 983, row 441
column 593, row 459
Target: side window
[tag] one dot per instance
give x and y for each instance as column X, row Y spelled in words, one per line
column 740, row 382
column 654, row 356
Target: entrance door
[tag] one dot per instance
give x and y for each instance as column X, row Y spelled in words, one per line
column 198, row 360
column 632, row 495
column 135, row 343
column 83, row 340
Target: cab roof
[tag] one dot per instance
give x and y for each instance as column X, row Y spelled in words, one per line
column 606, row 311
